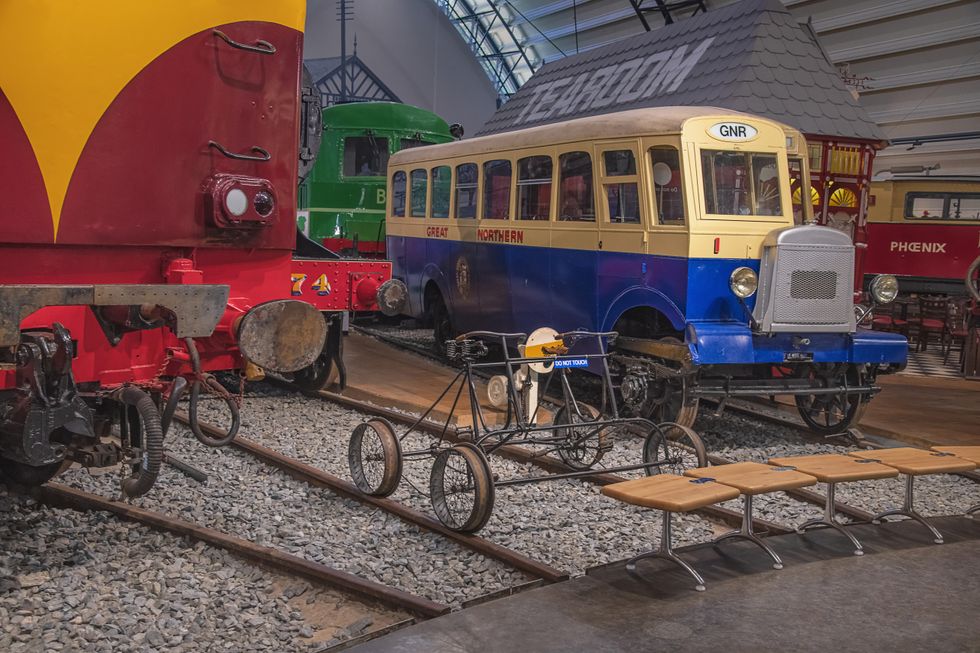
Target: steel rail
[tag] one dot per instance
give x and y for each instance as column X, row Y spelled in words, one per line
column 318, row 477
column 548, row 463
column 62, row 495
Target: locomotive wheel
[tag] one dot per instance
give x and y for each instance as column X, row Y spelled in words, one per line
column 320, row 374
column 29, row 476
column 831, row 414
column 442, row 325
column 583, row 446
column 461, row 488
column 676, row 447
column 374, row 456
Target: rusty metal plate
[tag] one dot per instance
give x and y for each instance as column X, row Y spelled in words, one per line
column 197, row 307
column 283, row 335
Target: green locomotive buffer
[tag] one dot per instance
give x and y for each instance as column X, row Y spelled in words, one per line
column 342, row 201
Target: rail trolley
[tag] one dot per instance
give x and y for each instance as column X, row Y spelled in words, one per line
column 925, row 230
column 150, row 156
column 461, row 482
column 672, row 226
column 342, row 201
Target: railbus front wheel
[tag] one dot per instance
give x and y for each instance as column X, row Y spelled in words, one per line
column 830, row 414
column 674, row 448
column 461, row 488
column 374, row 456
column 583, row 443
column 442, row 324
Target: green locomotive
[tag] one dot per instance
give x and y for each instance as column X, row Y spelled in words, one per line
column 342, row 201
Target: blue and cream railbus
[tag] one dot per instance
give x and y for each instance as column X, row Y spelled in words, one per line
column 672, row 226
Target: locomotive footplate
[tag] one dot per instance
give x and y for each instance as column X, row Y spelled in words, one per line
column 197, row 308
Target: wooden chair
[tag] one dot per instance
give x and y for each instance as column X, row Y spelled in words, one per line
column 932, row 319
column 890, row 317
column 957, row 328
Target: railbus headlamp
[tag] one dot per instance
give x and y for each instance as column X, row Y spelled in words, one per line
column 743, row 282
column 884, row 288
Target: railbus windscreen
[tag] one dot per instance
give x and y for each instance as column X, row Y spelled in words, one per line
column 740, row 183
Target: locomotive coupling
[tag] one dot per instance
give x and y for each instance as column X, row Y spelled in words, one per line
column 392, row 297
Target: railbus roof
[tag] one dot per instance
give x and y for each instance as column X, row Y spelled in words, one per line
column 621, row 124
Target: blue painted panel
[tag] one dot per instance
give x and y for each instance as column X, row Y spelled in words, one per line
column 710, row 297
column 531, row 298
column 573, row 289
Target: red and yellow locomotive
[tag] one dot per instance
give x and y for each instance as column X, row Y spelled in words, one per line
column 148, row 184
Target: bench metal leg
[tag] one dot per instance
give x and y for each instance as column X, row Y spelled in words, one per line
column 746, row 533
column 667, row 553
column 908, row 510
column 969, row 511
column 829, row 520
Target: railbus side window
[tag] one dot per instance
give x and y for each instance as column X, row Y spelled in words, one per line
column 534, row 175
column 420, row 181
column 667, row 185
column 575, row 200
column 942, row 206
column 441, row 189
column 365, row 156
column 622, row 195
column 740, row 183
column 496, row 190
column 466, row 178
column 398, row 183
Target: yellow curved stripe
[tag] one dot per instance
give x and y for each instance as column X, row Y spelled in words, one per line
column 64, row 61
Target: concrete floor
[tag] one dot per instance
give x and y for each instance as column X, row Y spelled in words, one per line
column 905, row 594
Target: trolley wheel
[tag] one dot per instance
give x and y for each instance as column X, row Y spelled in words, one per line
column 832, row 414
column 583, row 446
column 374, row 456
column 461, row 488
column 676, row 447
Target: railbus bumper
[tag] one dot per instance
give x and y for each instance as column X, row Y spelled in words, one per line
column 735, row 344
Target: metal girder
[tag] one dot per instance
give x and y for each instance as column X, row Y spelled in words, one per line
column 497, row 43
column 665, row 8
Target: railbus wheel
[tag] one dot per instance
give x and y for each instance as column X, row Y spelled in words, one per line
column 834, row 413
column 442, row 324
column 581, row 446
column 461, row 488
column 670, row 401
column 676, row 447
column 374, row 456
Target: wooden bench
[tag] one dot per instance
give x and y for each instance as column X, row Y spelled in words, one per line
column 915, row 462
column 669, row 494
column 751, row 479
column 832, row 469
column 971, row 453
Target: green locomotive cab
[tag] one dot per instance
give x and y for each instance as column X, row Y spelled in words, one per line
column 342, row 201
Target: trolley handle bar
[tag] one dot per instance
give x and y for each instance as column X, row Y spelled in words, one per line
column 490, row 334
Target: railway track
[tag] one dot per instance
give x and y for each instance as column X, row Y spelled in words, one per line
column 64, row 496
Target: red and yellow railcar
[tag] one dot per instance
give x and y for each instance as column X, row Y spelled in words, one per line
column 148, row 184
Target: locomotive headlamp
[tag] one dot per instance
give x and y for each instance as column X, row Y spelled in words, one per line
column 236, row 202
column 743, row 282
column 884, row 288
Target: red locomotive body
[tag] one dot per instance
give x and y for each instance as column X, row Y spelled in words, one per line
column 149, row 222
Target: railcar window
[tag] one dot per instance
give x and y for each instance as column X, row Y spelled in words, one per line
column 666, row 163
column 496, row 190
column 575, row 200
column 740, row 183
column 942, row 206
column 398, row 183
column 466, row 178
column 534, row 188
column 420, row 182
column 441, row 189
column 619, row 163
column 365, row 156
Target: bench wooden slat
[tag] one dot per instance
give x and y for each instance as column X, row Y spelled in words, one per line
column 836, row 468
column 754, row 478
column 669, row 492
column 917, row 462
